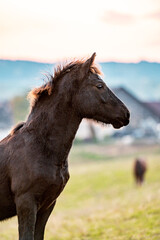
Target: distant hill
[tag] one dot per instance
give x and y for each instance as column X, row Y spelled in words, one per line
column 142, row 79
column 17, row 77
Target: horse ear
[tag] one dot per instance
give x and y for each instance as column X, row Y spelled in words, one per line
column 90, row 61
column 87, row 64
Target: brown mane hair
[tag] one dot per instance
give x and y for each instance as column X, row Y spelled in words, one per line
column 59, row 72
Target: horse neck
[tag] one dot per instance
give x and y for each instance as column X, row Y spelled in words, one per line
column 55, row 124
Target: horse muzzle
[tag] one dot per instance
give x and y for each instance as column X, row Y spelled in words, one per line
column 121, row 122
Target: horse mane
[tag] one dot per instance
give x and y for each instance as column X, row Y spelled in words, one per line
column 47, row 88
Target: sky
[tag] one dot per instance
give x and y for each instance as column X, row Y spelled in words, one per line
column 51, row 31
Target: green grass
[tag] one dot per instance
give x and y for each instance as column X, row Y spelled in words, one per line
column 101, row 200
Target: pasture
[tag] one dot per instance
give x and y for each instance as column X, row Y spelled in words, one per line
column 101, row 200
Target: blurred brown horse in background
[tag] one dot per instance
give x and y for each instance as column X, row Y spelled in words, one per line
column 139, row 170
column 34, row 156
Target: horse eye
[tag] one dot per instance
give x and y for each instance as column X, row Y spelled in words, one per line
column 99, row 86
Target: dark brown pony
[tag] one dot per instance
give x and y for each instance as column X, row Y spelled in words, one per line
column 139, row 170
column 33, row 157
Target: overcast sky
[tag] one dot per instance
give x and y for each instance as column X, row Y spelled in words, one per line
column 117, row 30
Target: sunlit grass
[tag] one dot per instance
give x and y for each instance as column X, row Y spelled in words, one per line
column 101, row 201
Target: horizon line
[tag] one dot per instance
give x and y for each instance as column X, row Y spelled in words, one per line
column 64, row 60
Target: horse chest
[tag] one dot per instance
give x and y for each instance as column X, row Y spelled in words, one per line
column 55, row 187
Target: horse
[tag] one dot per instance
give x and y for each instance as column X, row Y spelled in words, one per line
column 139, row 170
column 34, row 156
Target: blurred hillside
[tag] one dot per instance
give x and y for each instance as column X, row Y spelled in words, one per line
column 18, row 77
column 142, row 79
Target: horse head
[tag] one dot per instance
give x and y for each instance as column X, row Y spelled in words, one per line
column 94, row 100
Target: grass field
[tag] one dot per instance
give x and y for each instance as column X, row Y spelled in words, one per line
column 101, row 201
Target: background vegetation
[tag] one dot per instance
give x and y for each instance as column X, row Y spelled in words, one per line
column 20, row 106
